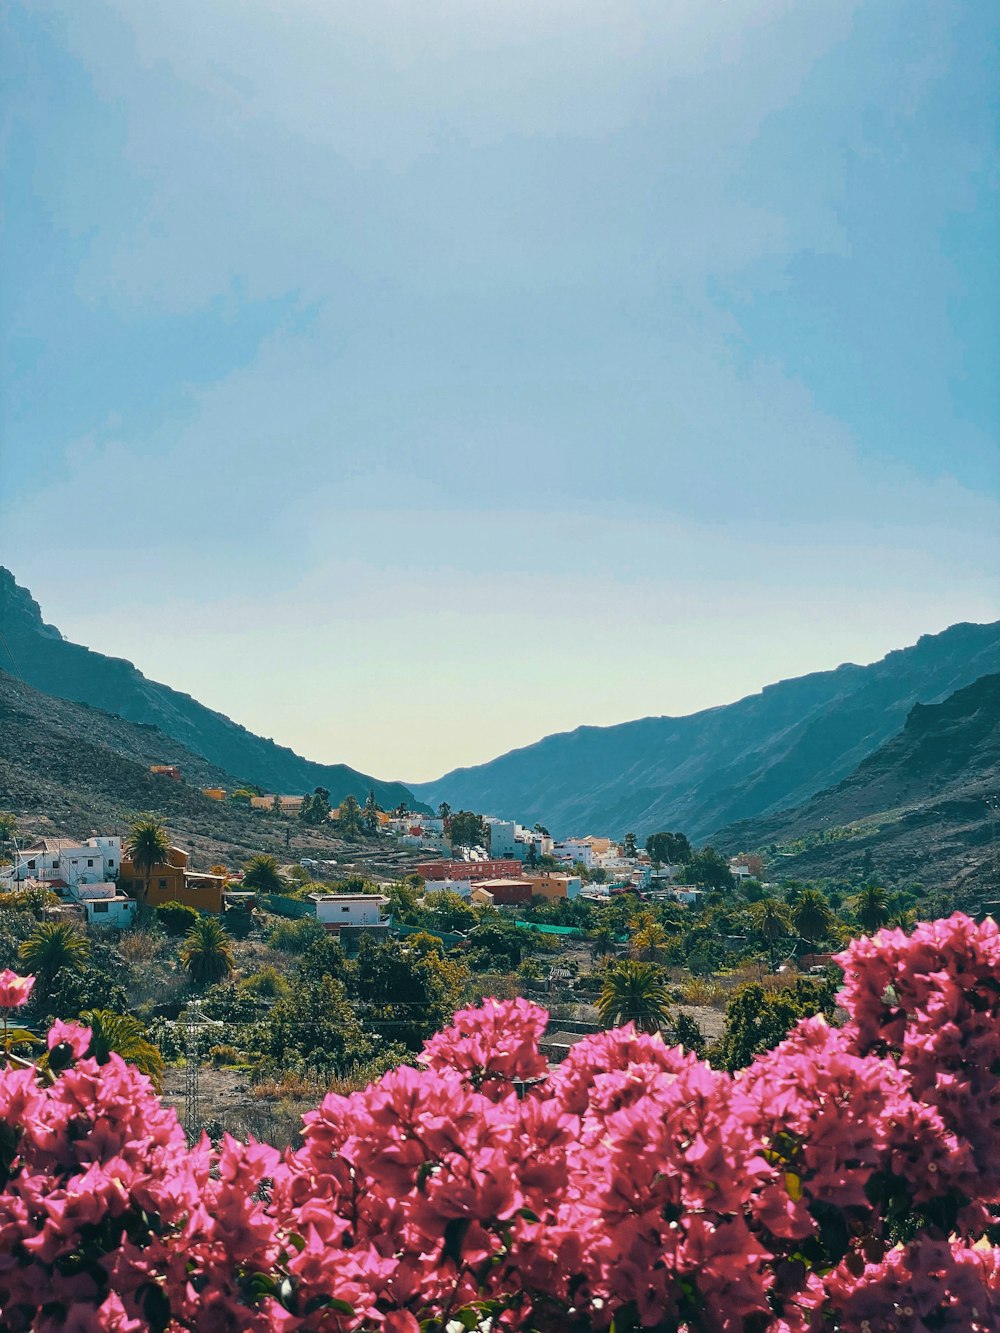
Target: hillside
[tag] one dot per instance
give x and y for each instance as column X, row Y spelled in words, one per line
column 52, row 664
column 72, row 769
column 916, row 807
column 767, row 752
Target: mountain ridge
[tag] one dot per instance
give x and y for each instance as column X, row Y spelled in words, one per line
column 54, row 665
column 703, row 771
column 918, row 802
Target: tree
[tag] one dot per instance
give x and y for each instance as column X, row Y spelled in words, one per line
column 261, row 872
column 871, row 907
column 651, row 943
column 147, row 847
column 756, row 1019
column 349, row 817
column 709, row 869
column 8, row 831
column 448, row 911
column 316, row 808
column 125, row 1036
column 531, row 860
column 668, row 848
column 444, row 811
column 629, row 846
column 371, row 813
column 406, row 993
column 52, row 947
column 770, row 919
column 540, row 828
column 812, row 916
column 401, row 810
column 467, row 829
column 316, row 1026
column 206, row 952
column 602, row 942
column 634, row 993
column 276, row 805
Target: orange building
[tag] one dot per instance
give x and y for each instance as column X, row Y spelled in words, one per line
column 214, row 793
column 547, row 885
column 174, row 883
column 170, row 771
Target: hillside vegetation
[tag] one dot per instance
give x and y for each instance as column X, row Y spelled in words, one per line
column 917, row 806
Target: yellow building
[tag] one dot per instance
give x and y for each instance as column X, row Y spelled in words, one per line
column 174, row 883
column 214, row 793
column 544, row 884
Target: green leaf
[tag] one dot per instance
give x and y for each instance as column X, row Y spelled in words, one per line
column 454, row 1235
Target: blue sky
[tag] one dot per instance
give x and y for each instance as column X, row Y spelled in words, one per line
column 410, row 380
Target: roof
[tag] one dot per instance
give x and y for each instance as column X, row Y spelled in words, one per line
column 564, row 1038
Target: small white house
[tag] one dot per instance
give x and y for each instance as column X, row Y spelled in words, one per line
column 105, row 906
column 463, row 887
column 336, row 910
column 574, row 850
column 503, row 838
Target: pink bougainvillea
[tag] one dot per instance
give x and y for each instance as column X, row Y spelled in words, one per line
column 846, row 1181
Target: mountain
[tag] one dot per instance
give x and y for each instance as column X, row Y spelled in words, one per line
column 918, row 806
column 70, row 769
column 703, row 772
column 50, row 663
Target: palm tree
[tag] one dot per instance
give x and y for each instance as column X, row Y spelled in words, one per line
column 871, row 907
column 147, row 847
column 813, row 917
column 125, row 1036
column 602, row 942
column 770, row 920
column 207, row 952
column 650, row 943
column 634, row 993
column 261, row 872
column 52, row 946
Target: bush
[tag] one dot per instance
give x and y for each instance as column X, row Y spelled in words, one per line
column 848, row 1180
column 176, row 918
column 295, row 936
column 224, row 1055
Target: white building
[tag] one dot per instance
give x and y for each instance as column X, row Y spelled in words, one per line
column 105, row 906
column 573, row 850
column 63, row 863
column 503, row 839
column 336, row 910
column 463, row 887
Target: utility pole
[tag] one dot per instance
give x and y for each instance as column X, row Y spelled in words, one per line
column 192, row 1109
column 993, row 805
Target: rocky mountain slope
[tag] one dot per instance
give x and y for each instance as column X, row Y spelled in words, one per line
column 50, row 663
column 919, row 806
column 767, row 752
column 67, row 768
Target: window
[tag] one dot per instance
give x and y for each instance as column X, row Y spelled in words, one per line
column 111, row 861
column 163, row 883
column 345, row 909
column 100, row 907
column 31, row 865
column 90, row 862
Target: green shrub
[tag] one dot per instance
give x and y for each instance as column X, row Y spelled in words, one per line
column 176, row 918
column 225, row 1055
column 295, row 936
column 268, row 983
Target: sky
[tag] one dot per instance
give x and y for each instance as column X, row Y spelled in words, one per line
column 410, row 380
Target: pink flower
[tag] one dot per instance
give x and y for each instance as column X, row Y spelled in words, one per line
column 14, row 990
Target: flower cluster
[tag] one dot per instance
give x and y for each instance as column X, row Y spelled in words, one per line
column 845, row 1181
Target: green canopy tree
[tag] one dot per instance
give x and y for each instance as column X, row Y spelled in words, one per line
column 147, row 847
column 123, row 1035
column 371, row 812
column 636, row 993
column 871, row 907
column 262, row 872
column 668, row 848
column 207, row 952
column 467, row 829
column 771, row 921
column 812, row 916
column 349, row 817
column 52, row 947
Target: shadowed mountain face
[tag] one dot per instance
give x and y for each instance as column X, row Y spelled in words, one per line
column 917, row 806
column 50, row 663
column 765, row 753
